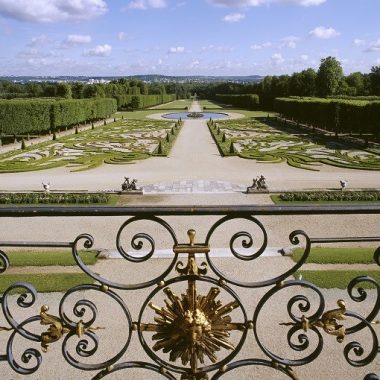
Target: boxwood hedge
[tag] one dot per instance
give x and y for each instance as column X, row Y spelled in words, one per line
column 55, row 198
column 41, row 115
column 338, row 115
column 315, row 196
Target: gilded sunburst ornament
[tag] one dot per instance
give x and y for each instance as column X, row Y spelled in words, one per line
column 193, row 326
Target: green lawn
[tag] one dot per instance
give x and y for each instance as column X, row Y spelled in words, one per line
column 142, row 114
column 48, row 258
column 176, row 105
column 209, row 104
column 336, row 279
column 328, row 255
column 44, row 283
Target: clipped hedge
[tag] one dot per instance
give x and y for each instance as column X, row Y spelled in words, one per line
column 42, row 115
column 55, row 198
column 315, row 196
column 370, row 98
column 249, row 101
column 142, row 101
column 338, row 115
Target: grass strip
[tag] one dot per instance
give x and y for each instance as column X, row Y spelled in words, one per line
column 277, row 200
column 328, row 255
column 48, row 258
column 47, row 282
column 339, row 279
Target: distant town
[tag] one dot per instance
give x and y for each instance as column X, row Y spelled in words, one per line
column 150, row 78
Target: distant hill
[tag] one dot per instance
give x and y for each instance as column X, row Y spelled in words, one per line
column 146, row 78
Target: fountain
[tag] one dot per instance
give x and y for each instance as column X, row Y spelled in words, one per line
column 195, row 115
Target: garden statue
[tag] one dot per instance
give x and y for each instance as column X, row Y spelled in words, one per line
column 258, row 185
column 253, row 186
column 125, row 186
column 46, row 187
column 129, row 185
column 261, row 185
column 343, row 184
column 133, row 185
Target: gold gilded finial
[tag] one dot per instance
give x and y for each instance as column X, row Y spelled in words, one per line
column 191, row 235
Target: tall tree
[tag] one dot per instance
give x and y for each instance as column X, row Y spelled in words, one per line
column 309, row 82
column 329, row 76
column 375, row 80
column 64, row 90
column 356, row 81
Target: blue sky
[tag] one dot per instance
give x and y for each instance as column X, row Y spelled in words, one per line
column 189, row 37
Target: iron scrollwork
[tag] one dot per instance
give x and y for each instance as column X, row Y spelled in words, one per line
column 196, row 333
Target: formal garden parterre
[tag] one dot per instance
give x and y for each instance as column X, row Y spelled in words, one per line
column 120, row 142
column 259, row 139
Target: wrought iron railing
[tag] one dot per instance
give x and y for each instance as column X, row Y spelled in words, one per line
column 188, row 334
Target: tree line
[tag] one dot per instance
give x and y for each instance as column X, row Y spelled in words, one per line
column 327, row 81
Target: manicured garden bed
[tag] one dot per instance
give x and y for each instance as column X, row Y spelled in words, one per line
column 256, row 139
column 56, row 198
column 326, row 197
column 121, row 142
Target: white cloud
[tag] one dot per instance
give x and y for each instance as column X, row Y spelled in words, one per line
column 374, row 46
column 277, row 58
column 29, row 53
column 324, row 33
column 304, row 57
column 257, row 3
column 261, row 46
column 36, row 54
column 219, row 49
column 195, row 63
column 233, row 17
column 52, row 10
column 39, row 40
column 146, row 4
column 358, row 42
column 289, row 42
column 176, row 50
column 98, row 51
column 73, row 40
column 122, row 36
